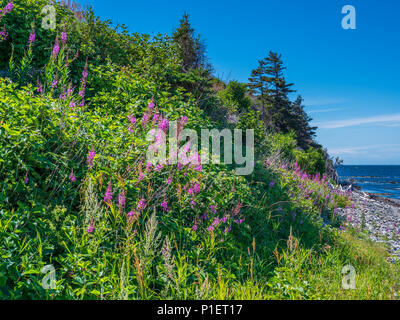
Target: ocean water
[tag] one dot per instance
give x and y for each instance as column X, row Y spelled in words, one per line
column 383, row 180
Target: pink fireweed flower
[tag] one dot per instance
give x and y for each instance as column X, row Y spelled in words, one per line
column 26, row 181
column 109, row 194
column 148, row 166
column 224, row 219
column 169, row 181
column 132, row 119
column 145, row 119
column 228, row 229
column 56, row 49
column 39, row 87
column 210, row 229
column 194, row 228
column 8, row 7
column 3, row 34
column 164, row 205
column 196, row 188
column 183, row 121
column 141, row 176
column 213, row 209
column 72, row 176
column 32, row 37
column 215, row 222
column 141, row 204
column 85, row 71
column 121, row 200
column 193, row 203
column 64, row 37
column 54, row 84
column 156, row 116
column 91, row 227
column 163, row 125
column 150, row 106
column 72, row 105
column 90, row 157
column 130, row 214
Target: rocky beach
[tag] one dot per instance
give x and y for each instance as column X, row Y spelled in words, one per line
column 376, row 216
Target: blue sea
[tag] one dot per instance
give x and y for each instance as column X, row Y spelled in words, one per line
column 383, row 180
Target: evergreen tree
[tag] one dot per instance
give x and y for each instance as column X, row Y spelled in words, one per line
column 300, row 123
column 258, row 87
column 191, row 48
column 278, row 90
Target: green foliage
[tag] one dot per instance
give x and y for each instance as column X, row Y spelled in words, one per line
column 311, row 160
column 76, row 192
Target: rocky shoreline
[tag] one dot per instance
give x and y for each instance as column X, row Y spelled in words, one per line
column 376, row 216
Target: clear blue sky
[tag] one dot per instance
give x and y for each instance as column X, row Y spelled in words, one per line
column 348, row 78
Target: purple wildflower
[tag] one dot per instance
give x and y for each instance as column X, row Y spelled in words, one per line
column 163, row 125
column 132, row 119
column 194, row 228
column 90, row 157
column 211, row 229
column 8, row 8
column 271, row 184
column 109, row 194
column 213, row 209
column 56, row 49
column 64, row 37
column 164, row 205
column 72, row 176
column 26, row 181
column 121, row 200
column 91, row 227
column 32, row 37
column 3, row 34
column 141, row 204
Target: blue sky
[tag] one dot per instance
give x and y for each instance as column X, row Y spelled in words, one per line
column 348, row 78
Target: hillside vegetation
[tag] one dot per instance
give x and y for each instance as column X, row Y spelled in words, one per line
column 78, row 195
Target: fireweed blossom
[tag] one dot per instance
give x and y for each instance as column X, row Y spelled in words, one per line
column 64, row 37
column 271, row 184
column 26, row 181
column 141, row 204
column 210, row 229
column 109, row 194
column 121, row 200
column 72, row 176
column 90, row 157
column 91, row 227
column 56, row 49
column 194, row 228
column 213, row 209
column 132, row 120
column 32, row 37
column 164, row 205
column 8, row 8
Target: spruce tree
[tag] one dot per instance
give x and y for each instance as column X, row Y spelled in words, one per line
column 191, row 48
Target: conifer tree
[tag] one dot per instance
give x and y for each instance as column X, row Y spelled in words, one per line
column 191, row 48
